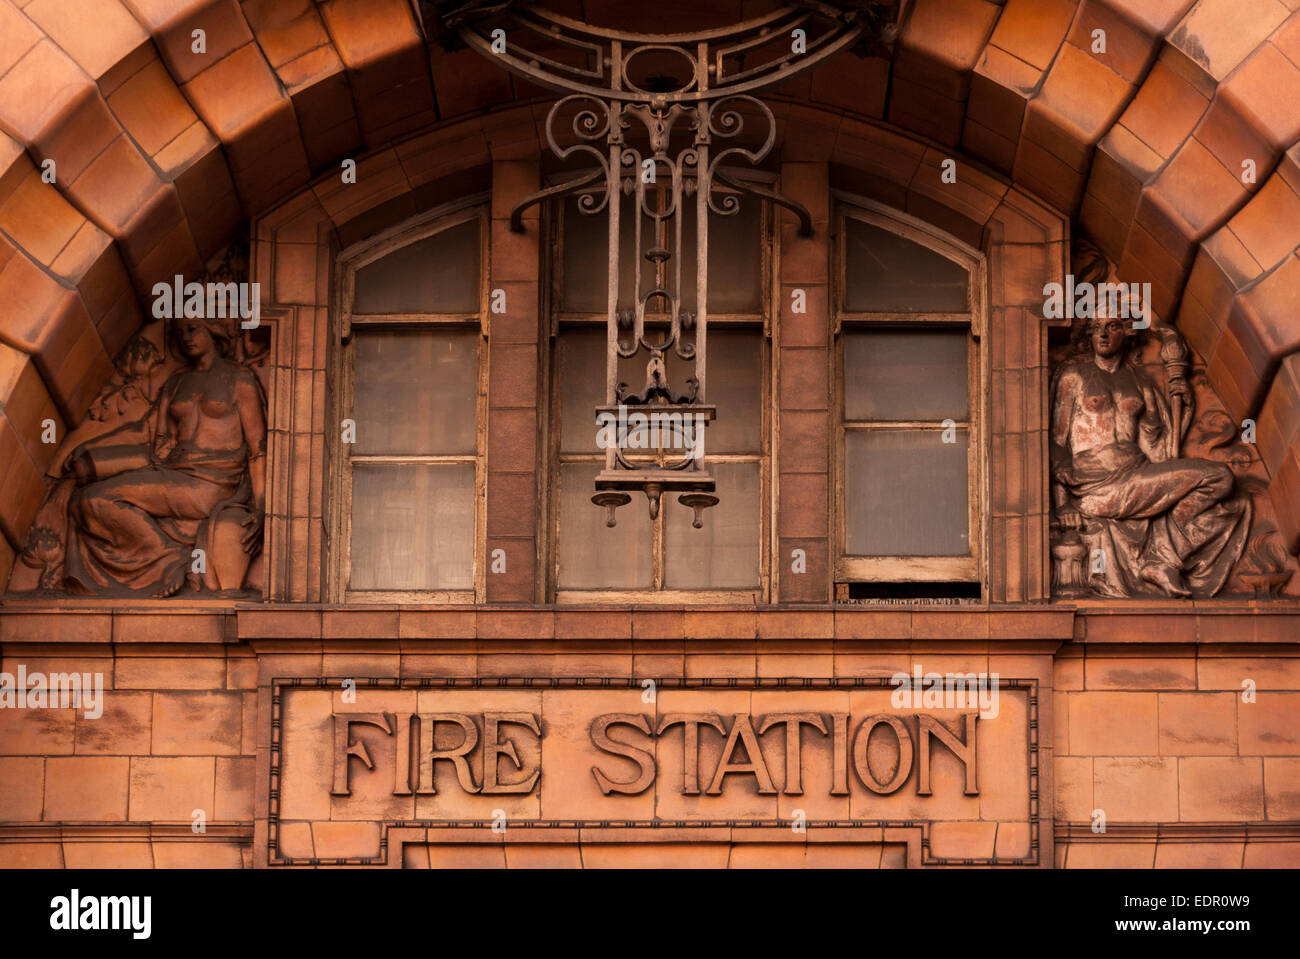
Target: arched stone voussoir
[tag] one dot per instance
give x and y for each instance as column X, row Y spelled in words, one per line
column 1263, row 327
column 156, row 115
column 47, row 319
column 85, row 151
column 298, row 48
column 1210, row 176
column 28, row 406
column 1010, row 73
column 380, row 43
column 935, row 55
column 1279, row 447
column 173, row 24
column 241, row 101
column 1163, row 113
column 36, row 218
column 1254, row 242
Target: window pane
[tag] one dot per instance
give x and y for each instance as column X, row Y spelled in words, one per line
column 586, row 258
column 439, row 274
column 735, row 387
column 724, row 553
column 905, row 375
column 885, row 273
column 412, row 527
column 416, row 391
column 581, row 382
column 591, row 555
column 735, row 260
column 906, row 493
column 735, row 365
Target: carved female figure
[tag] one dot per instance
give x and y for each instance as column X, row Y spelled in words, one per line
column 139, row 517
column 1161, row 523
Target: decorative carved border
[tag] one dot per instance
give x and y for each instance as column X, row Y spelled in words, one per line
column 384, row 855
column 137, row 831
column 1162, row 833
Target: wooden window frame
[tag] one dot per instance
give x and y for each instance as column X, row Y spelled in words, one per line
column 972, row 568
column 342, row 366
column 760, row 322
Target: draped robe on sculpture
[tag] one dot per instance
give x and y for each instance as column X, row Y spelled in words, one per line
column 1144, row 508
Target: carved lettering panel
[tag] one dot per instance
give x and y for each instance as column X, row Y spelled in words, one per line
column 358, row 769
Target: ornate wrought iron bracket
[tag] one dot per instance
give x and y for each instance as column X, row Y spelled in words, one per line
column 657, row 117
column 736, row 183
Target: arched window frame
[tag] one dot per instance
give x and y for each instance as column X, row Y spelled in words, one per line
column 972, row 569
column 345, row 321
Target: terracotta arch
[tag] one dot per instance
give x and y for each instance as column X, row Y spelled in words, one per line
column 161, row 154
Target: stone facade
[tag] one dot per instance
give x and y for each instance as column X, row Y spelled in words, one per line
column 1173, row 724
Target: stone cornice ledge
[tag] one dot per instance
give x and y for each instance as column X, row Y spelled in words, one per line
column 212, row 624
column 1202, row 624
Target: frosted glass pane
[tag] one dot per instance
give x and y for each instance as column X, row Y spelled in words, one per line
column 412, row 527
column 735, row 387
column 905, row 375
column 885, row 273
column 439, row 274
column 415, row 392
column 581, row 383
column 593, row 556
column 735, row 259
column 906, row 493
column 735, row 262
column 586, row 258
column 735, row 365
column 724, row 553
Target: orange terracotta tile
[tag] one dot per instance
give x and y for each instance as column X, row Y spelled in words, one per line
column 1198, row 724
column 203, row 723
column 124, row 729
column 23, row 795
column 235, row 781
column 945, row 36
column 1282, row 787
column 1140, row 673
column 1270, row 725
column 1265, row 89
column 1218, row 36
column 170, row 789
column 39, row 87
column 107, row 855
column 1072, row 789
column 197, row 855
column 387, row 63
column 17, row 36
column 101, row 34
column 1110, row 854
column 86, row 788
column 224, row 28
column 1200, row 855
column 285, row 30
column 180, row 672
column 1164, row 110
column 1220, row 789
column 1112, row 723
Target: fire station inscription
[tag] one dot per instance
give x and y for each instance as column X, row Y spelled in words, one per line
column 797, row 760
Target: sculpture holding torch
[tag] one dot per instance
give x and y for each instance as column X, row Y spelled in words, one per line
column 1141, row 519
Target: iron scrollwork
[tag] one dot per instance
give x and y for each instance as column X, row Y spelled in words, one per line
column 659, row 119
